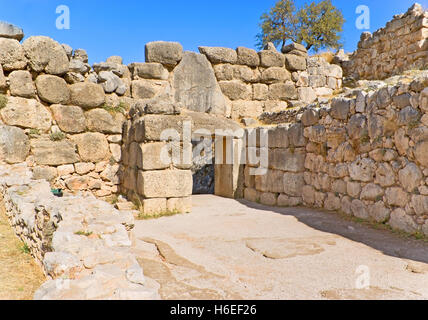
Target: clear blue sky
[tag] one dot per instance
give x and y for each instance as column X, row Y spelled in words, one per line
column 106, row 28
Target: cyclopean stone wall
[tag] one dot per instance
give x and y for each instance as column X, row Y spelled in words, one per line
column 60, row 116
column 401, row 45
column 365, row 155
column 64, row 118
column 270, row 81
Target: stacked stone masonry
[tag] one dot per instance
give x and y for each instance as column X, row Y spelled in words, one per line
column 401, row 45
column 364, row 155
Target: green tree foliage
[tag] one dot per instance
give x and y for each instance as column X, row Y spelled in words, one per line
column 315, row 25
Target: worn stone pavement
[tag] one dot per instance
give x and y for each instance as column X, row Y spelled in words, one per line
column 228, row 249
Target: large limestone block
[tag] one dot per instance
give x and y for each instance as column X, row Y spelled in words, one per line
column 236, row 90
column 278, row 137
column 371, row 192
column 275, row 74
column 154, row 156
column 421, row 153
column 270, row 58
column 295, row 63
column 166, row 53
column 307, row 94
column 12, row 55
column 152, row 127
column 296, row 137
column 410, row 177
column 92, row 147
column 310, row 117
column 363, row 170
column 293, row 184
column 53, row 153
column 248, row 57
column 87, row 95
column 21, row 84
column 100, row 120
column 420, row 204
column 45, row 54
column 397, row 197
column 70, row 119
column 52, row 89
column 401, row 221
column 196, row 86
column 149, row 71
column 340, row 108
column 219, row 55
column 148, row 89
column 10, row 31
column 14, row 144
column 26, row 113
column 165, row 183
column 283, row 91
column 286, row 160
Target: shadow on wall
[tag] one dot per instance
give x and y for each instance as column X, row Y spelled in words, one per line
column 385, row 241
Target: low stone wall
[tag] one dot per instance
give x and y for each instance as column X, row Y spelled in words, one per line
column 401, row 45
column 365, row 155
column 81, row 243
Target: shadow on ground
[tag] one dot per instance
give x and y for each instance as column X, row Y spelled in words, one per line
column 383, row 240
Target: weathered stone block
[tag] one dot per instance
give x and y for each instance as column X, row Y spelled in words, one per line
column 270, row 58
column 236, row 90
column 12, row 55
column 87, row 95
column 45, row 54
column 247, row 57
column 26, row 113
column 293, row 184
column 295, row 62
column 196, row 86
column 165, row 183
column 70, row 119
column 219, row 55
column 14, row 144
column 92, row 147
column 100, row 120
column 53, row 153
column 149, row 71
column 286, row 160
column 167, row 53
column 21, row 84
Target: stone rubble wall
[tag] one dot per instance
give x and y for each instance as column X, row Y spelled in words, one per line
column 401, row 45
column 81, row 243
column 365, row 155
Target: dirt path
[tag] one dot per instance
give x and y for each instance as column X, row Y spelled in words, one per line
column 227, row 249
column 20, row 276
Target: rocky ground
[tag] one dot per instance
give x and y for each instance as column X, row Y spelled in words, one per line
column 228, row 249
